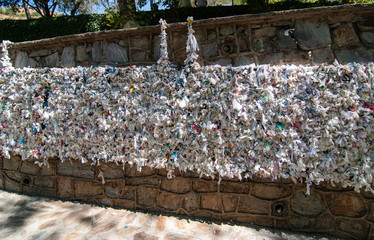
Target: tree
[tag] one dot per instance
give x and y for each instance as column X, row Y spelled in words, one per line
column 46, row 8
column 74, row 7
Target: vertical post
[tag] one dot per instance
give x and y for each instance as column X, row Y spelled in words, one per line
column 5, row 61
column 191, row 47
column 164, row 58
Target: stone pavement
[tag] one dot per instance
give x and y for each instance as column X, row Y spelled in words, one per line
column 36, row 218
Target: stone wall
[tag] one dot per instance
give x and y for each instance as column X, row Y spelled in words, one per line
column 279, row 204
column 318, row 35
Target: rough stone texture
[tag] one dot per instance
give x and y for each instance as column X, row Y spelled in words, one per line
column 116, row 54
column 169, row 201
column 204, row 186
column 245, row 60
column 261, row 45
column 307, row 205
column 229, row 203
column 233, row 187
column 97, row 52
column 339, row 211
column 358, row 229
column 368, row 37
column 40, row 53
column 346, row 204
column 285, row 42
column 29, row 167
column 323, row 55
column 358, row 55
column 209, row 50
column 310, row 35
column 249, row 204
column 52, row 60
column 146, row 196
column 68, row 57
column 176, row 185
column 81, row 53
column 139, row 56
column 22, row 60
column 211, row 202
column 84, row 188
column 141, row 42
column 265, row 32
column 271, row 58
column 68, row 168
column 271, row 191
column 345, row 36
column 144, row 236
column 226, row 30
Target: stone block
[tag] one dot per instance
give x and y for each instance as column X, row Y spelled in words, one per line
column 112, row 170
column 65, row 188
column 35, row 191
column 245, row 60
column 191, row 202
column 205, row 186
column 226, row 30
column 271, row 191
column 13, row 163
column 86, row 188
column 311, row 35
column 296, row 57
column 123, row 203
column 113, row 188
column 179, row 56
column 128, row 193
column 234, row 187
column 370, row 214
column 264, row 32
column 367, row 38
column 323, row 55
column 45, row 182
column 68, row 57
column 176, row 185
column 156, row 47
column 23, row 60
column 243, row 42
column 29, row 168
column 345, row 36
column 261, row 45
column 179, row 40
column 321, row 223
column 250, row 204
column 151, row 181
column 146, row 196
column 40, row 53
column 209, row 50
column 12, row 185
column 75, row 169
column 229, row 203
column 139, row 56
column 308, row 205
column 2, row 181
column 81, row 53
column 358, row 55
column 49, row 170
column 140, row 41
column 211, row 34
column 366, row 24
column 271, row 58
column 52, row 60
column 228, row 46
column 169, row 201
column 285, row 42
column 224, row 62
column 346, row 204
column 104, row 201
column 358, row 229
column 258, row 220
column 211, row 202
column 97, row 51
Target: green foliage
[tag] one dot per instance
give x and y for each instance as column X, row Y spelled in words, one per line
column 25, row 30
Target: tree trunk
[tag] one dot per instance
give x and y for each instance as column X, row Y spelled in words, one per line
column 127, row 9
column 26, row 8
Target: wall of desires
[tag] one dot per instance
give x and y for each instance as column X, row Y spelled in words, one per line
column 308, row 124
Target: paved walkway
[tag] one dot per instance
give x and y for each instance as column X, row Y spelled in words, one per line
column 35, row 218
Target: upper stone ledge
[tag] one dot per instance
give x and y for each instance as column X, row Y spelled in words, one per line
column 253, row 18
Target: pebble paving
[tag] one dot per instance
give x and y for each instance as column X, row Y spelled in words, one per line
column 36, row 218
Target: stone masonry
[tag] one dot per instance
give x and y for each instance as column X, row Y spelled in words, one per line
column 279, row 204
column 307, row 36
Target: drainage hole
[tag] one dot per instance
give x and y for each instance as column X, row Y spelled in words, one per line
column 26, row 181
column 279, row 208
